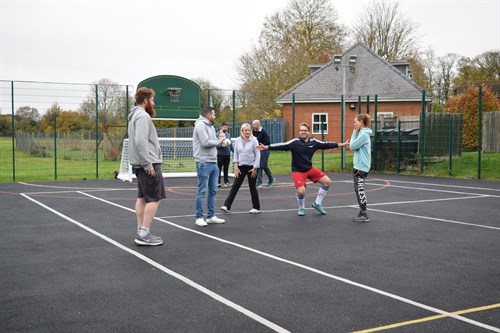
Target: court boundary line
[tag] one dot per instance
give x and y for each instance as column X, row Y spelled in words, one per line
column 314, row 270
column 425, row 319
column 444, row 185
column 166, row 270
column 436, row 219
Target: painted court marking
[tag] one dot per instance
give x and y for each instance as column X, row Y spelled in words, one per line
column 314, row 270
column 422, row 320
column 164, row 269
column 441, row 313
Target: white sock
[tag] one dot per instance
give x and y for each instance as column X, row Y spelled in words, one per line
column 323, row 190
column 301, row 200
column 143, row 231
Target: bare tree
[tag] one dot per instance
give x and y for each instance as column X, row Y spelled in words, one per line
column 388, row 33
column 445, row 73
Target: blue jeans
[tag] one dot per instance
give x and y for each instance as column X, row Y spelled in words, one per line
column 208, row 175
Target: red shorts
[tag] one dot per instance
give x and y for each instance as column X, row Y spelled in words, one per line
column 313, row 174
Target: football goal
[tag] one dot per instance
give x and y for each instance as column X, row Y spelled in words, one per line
column 177, row 155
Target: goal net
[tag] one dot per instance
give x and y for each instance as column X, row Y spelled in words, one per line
column 177, row 156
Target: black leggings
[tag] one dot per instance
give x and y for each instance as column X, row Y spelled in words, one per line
column 359, row 187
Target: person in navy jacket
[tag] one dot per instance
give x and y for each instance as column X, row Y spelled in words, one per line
column 302, row 149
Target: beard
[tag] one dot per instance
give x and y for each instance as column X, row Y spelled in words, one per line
column 150, row 109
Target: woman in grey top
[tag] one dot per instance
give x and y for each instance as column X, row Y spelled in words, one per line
column 246, row 161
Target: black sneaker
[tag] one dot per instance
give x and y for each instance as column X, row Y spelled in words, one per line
column 361, row 217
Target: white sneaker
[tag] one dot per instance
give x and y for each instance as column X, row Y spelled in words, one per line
column 224, row 209
column 215, row 219
column 254, row 211
column 201, row 222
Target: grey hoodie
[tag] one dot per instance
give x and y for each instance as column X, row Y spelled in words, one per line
column 144, row 147
column 204, row 141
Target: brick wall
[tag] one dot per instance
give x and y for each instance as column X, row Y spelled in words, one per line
column 303, row 113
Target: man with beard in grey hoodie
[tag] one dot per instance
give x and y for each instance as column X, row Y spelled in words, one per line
column 146, row 159
column 205, row 144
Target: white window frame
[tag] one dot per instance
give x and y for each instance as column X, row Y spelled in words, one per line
column 317, row 129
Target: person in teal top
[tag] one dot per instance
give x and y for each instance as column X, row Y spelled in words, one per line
column 360, row 144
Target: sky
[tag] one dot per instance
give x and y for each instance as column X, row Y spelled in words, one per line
column 75, row 41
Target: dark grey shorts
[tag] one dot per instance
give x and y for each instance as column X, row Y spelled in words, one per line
column 151, row 188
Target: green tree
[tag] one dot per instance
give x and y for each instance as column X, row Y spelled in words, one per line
column 386, row 31
column 484, row 68
column 306, row 32
column 468, row 105
column 47, row 121
column 27, row 119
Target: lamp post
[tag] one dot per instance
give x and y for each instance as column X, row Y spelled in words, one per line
column 337, row 61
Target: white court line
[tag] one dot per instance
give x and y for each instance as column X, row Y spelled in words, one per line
column 435, row 219
column 178, row 276
column 444, row 185
column 314, row 270
column 434, row 190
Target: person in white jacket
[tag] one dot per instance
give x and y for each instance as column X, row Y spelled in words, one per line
column 360, row 144
column 146, row 159
column 205, row 144
column 246, row 161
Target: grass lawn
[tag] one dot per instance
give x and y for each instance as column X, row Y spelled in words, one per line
column 31, row 168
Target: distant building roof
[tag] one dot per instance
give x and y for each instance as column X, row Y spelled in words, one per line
column 372, row 76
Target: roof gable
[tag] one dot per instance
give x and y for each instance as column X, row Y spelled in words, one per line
column 372, row 76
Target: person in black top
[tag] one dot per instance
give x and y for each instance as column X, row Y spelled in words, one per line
column 302, row 149
column 264, row 139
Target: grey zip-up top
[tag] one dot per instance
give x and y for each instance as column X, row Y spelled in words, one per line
column 144, row 147
column 204, row 141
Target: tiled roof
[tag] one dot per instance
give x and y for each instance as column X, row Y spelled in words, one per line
column 372, row 76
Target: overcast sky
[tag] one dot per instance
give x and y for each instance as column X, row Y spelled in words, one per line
column 129, row 41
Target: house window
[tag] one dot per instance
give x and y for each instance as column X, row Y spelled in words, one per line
column 317, row 120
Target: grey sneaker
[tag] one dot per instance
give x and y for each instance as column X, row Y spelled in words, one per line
column 319, row 208
column 149, row 239
column 361, row 217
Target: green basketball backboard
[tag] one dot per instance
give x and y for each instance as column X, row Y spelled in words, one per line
column 176, row 98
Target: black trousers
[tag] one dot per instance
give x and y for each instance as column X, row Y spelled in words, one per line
column 359, row 187
column 223, row 164
column 244, row 171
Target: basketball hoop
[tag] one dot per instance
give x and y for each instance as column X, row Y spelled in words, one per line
column 174, row 93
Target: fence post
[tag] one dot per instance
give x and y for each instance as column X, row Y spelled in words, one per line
column 208, row 97
column 450, row 139
column 375, row 146
column 96, row 131
column 398, row 156
column 293, row 115
column 322, row 151
column 127, row 110
column 55, row 146
column 422, row 133
column 233, row 134
column 13, row 132
column 342, row 132
column 480, row 131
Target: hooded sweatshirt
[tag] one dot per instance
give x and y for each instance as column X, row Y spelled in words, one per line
column 144, row 147
column 204, row 141
column 361, row 145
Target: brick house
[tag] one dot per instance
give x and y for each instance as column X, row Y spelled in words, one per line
column 317, row 98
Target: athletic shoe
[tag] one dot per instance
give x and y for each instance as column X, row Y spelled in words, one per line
column 271, row 182
column 219, row 185
column 149, row 239
column 254, row 211
column 258, row 184
column 301, row 212
column 225, row 209
column 200, row 222
column 215, row 219
column 361, row 217
column 227, row 184
column 319, row 208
